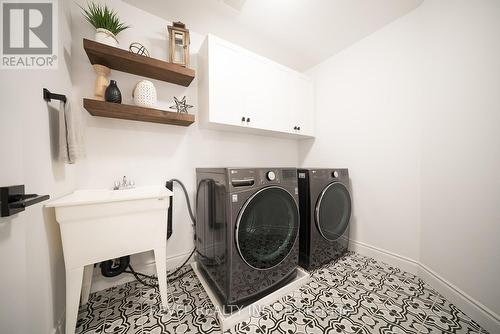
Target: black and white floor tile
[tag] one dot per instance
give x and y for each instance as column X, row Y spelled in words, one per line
column 354, row 294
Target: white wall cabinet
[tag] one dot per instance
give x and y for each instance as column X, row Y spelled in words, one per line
column 241, row 91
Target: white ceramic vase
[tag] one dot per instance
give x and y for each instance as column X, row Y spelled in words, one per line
column 144, row 94
column 105, row 36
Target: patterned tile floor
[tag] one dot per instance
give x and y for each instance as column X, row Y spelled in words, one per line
column 356, row 294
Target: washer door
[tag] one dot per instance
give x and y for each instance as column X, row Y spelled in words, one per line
column 267, row 227
column 333, row 211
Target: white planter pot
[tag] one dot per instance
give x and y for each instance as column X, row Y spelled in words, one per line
column 105, row 37
column 144, row 94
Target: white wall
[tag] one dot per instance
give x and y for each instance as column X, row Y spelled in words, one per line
column 361, row 124
column 460, row 146
column 413, row 111
column 153, row 153
column 31, row 262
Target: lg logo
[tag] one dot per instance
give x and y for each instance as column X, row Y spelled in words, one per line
column 28, row 28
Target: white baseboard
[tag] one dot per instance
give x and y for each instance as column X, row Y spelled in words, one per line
column 484, row 316
column 386, row 256
column 100, row 282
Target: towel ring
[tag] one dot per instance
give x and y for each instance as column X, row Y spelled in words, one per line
column 48, row 96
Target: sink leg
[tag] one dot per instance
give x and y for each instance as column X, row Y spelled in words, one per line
column 161, row 270
column 73, row 287
column 87, row 282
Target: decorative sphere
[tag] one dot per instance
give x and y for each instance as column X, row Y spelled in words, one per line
column 139, row 49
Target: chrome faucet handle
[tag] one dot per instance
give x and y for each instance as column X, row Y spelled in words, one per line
column 124, row 184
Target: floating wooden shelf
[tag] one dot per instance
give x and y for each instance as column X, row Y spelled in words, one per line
column 135, row 113
column 125, row 61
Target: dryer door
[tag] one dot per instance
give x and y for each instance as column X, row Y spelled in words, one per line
column 333, row 211
column 267, row 227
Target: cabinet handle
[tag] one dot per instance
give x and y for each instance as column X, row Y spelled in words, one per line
column 298, row 128
column 243, row 119
column 248, row 120
column 295, row 128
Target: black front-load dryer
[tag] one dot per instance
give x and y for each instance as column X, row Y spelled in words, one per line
column 325, row 212
column 247, row 231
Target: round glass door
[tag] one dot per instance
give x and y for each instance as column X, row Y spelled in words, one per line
column 333, row 211
column 267, row 227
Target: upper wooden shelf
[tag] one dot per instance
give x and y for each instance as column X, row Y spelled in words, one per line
column 125, row 61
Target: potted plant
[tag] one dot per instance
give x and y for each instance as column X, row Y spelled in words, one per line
column 105, row 21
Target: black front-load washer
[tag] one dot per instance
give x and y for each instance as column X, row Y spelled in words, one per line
column 247, row 231
column 325, row 212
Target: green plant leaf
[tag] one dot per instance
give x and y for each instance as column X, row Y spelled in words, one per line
column 101, row 16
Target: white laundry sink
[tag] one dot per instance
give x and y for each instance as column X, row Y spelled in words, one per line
column 100, row 224
column 94, row 196
column 84, row 204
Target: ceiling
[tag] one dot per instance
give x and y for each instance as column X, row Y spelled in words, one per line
column 296, row 33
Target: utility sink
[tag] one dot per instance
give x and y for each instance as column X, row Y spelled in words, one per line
column 95, row 196
column 84, row 204
column 100, row 224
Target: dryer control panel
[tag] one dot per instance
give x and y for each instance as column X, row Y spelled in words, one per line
column 337, row 173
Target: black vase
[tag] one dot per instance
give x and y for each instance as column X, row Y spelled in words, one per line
column 112, row 93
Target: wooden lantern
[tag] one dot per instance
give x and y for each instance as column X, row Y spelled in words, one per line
column 178, row 51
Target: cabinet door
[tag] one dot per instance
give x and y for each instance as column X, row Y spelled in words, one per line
column 226, row 88
column 260, row 85
column 267, row 94
column 294, row 100
column 304, row 109
column 283, row 99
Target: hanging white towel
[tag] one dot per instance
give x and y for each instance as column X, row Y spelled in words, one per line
column 70, row 134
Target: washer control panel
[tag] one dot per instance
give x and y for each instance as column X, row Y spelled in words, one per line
column 245, row 178
column 269, row 176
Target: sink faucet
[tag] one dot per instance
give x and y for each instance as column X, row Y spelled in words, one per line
column 124, row 184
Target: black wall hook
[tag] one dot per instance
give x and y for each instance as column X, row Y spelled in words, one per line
column 48, row 96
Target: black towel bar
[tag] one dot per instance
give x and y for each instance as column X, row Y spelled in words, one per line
column 48, row 96
column 13, row 200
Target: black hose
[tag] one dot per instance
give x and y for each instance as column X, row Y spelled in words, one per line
column 191, row 215
column 193, row 219
column 183, row 264
column 139, row 275
column 115, row 267
column 138, row 278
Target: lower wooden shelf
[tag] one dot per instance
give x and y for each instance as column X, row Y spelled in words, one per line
column 135, row 113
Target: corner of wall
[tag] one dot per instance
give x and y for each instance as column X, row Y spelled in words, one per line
column 473, row 308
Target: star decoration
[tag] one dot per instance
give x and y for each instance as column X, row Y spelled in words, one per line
column 181, row 105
